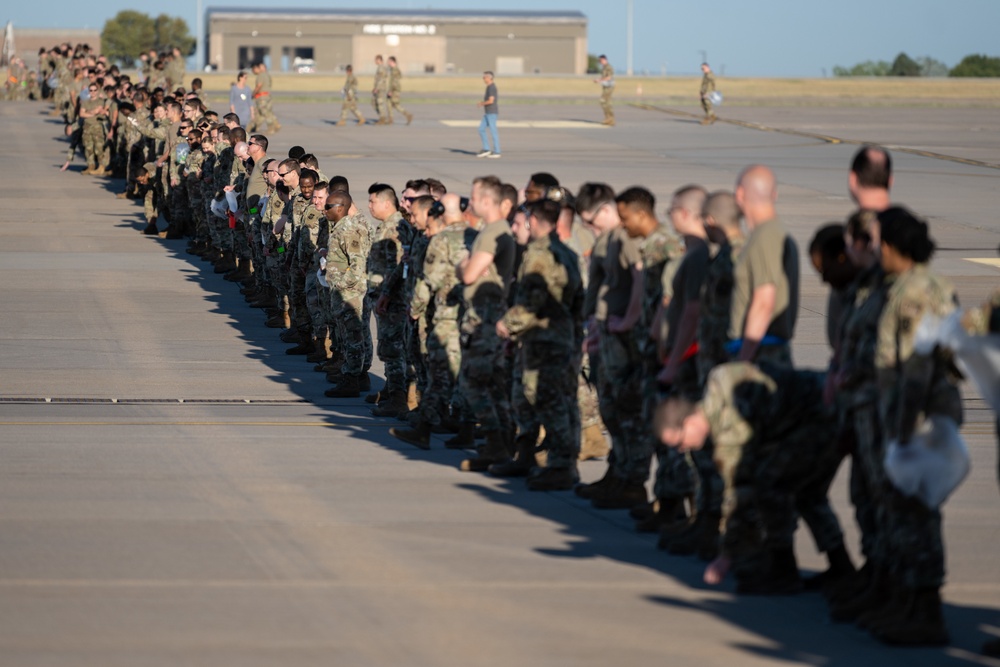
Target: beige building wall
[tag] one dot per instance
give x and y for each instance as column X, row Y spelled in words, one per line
column 422, row 43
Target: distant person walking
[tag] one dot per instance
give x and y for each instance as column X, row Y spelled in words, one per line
column 607, row 81
column 240, row 100
column 707, row 86
column 490, row 111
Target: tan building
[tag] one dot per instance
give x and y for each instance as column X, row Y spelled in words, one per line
column 29, row 40
column 507, row 42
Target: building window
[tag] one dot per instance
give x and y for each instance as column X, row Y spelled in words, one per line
column 248, row 55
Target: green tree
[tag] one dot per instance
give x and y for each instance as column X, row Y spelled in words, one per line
column 172, row 31
column 127, row 35
column 130, row 33
column 977, row 65
column 867, row 68
column 904, row 65
column 931, row 67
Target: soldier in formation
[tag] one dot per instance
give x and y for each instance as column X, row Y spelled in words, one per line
column 490, row 304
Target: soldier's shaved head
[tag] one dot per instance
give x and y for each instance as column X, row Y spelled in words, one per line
column 721, row 210
column 756, row 194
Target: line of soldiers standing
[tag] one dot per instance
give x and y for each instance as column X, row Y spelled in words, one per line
column 544, row 317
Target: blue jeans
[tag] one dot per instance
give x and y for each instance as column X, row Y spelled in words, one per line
column 489, row 121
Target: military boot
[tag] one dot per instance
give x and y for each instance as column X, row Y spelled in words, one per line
column 848, row 610
column 521, row 464
column 851, row 586
column 621, row 495
column 709, row 537
column 392, row 406
column 306, row 345
column 322, row 351
column 409, row 118
column 226, row 264
column 151, row 229
column 494, row 451
column 240, row 271
column 554, row 479
column 365, row 382
column 464, row 439
column 348, row 387
column 665, row 513
column 590, row 490
column 992, row 648
column 686, row 544
column 840, row 567
column 279, row 321
column 419, row 436
column 593, row 444
column 780, row 577
column 342, row 122
column 374, row 397
column 923, row 625
column 892, row 609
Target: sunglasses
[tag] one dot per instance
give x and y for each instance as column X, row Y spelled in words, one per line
column 329, row 206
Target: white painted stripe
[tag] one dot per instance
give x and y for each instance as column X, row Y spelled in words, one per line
column 988, row 261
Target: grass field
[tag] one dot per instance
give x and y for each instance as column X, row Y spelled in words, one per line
column 882, row 91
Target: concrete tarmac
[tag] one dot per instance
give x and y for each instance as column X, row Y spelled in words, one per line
column 176, row 490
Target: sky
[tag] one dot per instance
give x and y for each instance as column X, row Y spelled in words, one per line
column 779, row 38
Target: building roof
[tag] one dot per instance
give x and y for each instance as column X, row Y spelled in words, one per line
column 382, row 15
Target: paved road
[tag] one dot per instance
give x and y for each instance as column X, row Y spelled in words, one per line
column 176, row 490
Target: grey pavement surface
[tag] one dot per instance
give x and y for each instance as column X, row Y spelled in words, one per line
column 175, row 490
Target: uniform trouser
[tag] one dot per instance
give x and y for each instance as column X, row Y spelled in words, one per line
column 315, row 294
column 548, row 375
column 348, row 309
column 483, row 380
column 606, row 106
column 93, row 144
column 366, row 330
column 707, row 106
column 264, row 113
column 278, row 277
column 180, row 211
column 379, row 102
column 869, row 483
column 394, row 104
column 588, row 406
column 619, row 385
column 390, row 345
column 350, row 106
column 240, row 244
column 299, row 310
column 444, row 360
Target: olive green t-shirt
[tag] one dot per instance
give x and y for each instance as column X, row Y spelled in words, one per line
column 770, row 257
column 494, row 238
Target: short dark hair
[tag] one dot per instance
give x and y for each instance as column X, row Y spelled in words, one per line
column 545, row 210
column 295, row 152
column 828, row 241
column 385, row 192
column 310, row 174
column 261, row 141
column 290, row 165
column 639, row 198
column 237, row 134
column 907, row 233
column 231, row 118
column 544, row 179
column 422, row 202
column 339, row 183
column 591, row 195
column 872, row 165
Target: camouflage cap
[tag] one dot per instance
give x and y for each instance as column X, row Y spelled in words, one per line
column 150, row 168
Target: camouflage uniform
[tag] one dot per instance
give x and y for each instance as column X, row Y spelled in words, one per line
column 192, row 185
column 911, row 385
column 395, row 92
column 347, row 275
column 438, row 294
column 379, row 93
column 775, row 450
column 385, row 274
column 546, row 321
column 483, row 379
column 415, row 329
column 305, row 233
column 93, row 132
column 661, row 252
column 707, row 86
column 277, row 250
column 264, row 112
column 351, row 100
column 607, row 90
column 225, row 157
column 981, row 321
